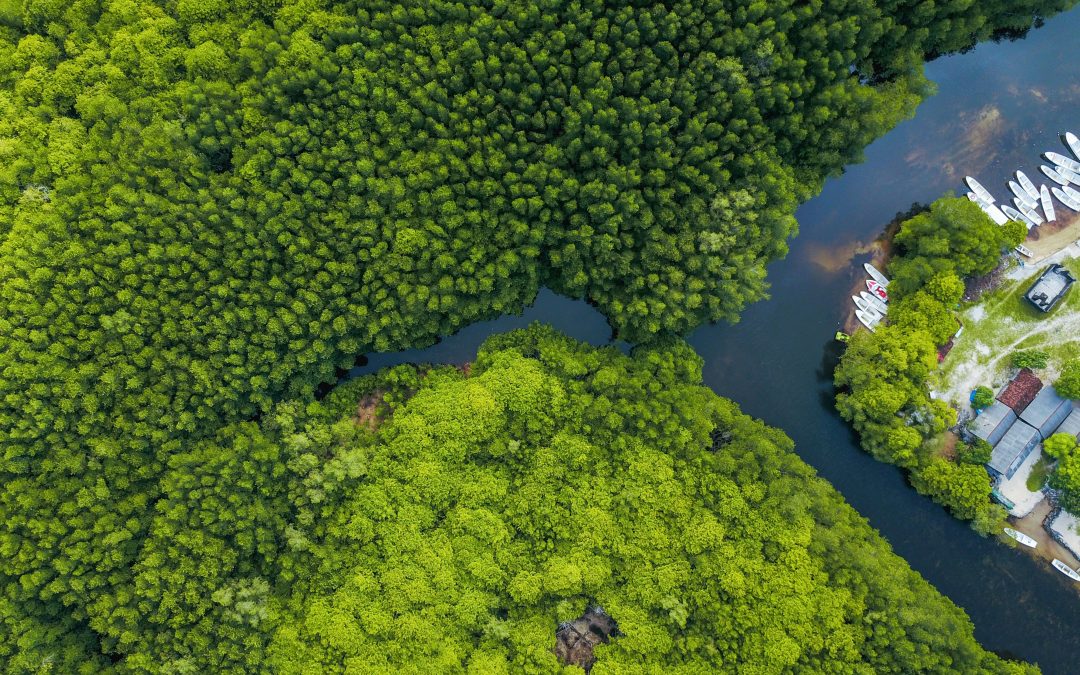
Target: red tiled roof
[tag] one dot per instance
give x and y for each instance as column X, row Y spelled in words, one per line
column 1021, row 391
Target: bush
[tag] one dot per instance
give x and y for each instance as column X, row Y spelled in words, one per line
column 984, row 396
column 1030, row 358
column 1060, row 446
column 1068, row 385
column 1015, row 233
column 976, row 452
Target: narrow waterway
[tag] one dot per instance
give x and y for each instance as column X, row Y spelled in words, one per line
column 997, row 108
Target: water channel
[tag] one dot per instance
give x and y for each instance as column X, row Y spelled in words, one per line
column 998, row 106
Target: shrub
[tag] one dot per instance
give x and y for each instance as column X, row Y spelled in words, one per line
column 976, row 452
column 1030, row 358
column 1068, row 385
column 983, row 397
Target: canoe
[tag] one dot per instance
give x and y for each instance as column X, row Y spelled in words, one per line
column 867, row 320
column 1028, row 186
column 1060, row 160
column 1031, row 214
column 1022, row 195
column 1066, row 199
column 1071, row 176
column 1072, row 192
column 995, row 213
column 1047, row 203
column 877, row 289
column 1024, row 250
column 1073, row 142
column 874, row 302
column 981, row 192
column 1013, row 214
column 1021, row 537
column 876, row 274
column 1065, row 569
column 1053, row 175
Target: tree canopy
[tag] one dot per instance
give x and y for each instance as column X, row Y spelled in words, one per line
column 450, row 522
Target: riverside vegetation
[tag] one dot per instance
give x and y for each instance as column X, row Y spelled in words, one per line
column 207, row 207
column 883, row 376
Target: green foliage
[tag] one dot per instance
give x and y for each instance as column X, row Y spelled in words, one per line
column 953, row 237
column 920, row 311
column 977, row 452
column 1068, row 384
column 1060, row 446
column 963, row 489
column 983, row 397
column 1015, row 233
column 1034, row 359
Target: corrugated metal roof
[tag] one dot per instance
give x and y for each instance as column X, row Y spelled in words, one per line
column 992, row 423
column 1047, row 410
column 1013, row 447
column 1071, row 425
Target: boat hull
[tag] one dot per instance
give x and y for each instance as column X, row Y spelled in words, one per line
column 1021, row 195
column 1017, row 216
column 1066, row 570
column 874, row 302
column 876, row 274
column 1047, row 203
column 1028, row 186
column 1062, row 160
column 877, row 289
column 1066, row 199
column 981, row 192
column 1073, row 142
column 1054, row 175
column 1021, row 537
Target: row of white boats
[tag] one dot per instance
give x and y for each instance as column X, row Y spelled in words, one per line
column 1027, row 198
column 1028, row 541
column 872, row 304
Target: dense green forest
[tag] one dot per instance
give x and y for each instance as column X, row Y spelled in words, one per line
column 882, row 376
column 425, row 520
column 208, row 207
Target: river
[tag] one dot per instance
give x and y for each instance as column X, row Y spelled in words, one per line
column 998, row 106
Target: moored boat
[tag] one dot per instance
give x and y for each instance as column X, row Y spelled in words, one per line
column 876, row 274
column 1073, row 142
column 867, row 320
column 1013, row 214
column 1052, row 174
column 1065, row 569
column 877, row 289
column 980, row 192
column 1031, row 214
column 874, row 302
column 1072, row 192
column 1071, row 176
column 1061, row 160
column 1021, row 537
column 1066, row 199
column 1047, row 203
column 1024, row 251
column 1028, row 186
column 860, row 304
column 1021, row 195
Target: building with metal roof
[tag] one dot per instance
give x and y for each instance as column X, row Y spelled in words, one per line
column 1071, row 425
column 993, row 422
column 1013, row 448
column 1050, row 287
column 1047, row 411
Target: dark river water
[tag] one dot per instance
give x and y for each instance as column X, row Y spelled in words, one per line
column 996, row 109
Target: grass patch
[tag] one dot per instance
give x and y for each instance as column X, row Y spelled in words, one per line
column 1037, row 478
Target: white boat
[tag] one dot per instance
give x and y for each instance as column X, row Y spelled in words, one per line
column 1066, row 199
column 1028, row 186
column 877, row 289
column 1053, row 175
column 876, row 274
column 1013, row 214
column 1021, row 537
column 1065, row 569
column 1021, row 195
column 860, row 304
column 980, row 192
column 989, row 209
column 1024, row 251
column 1073, row 142
column 1071, row 176
column 867, row 320
column 1031, row 214
column 1047, row 203
column 1072, row 192
column 1061, row 160
column 874, row 302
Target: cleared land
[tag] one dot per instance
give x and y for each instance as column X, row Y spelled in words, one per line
column 1002, row 322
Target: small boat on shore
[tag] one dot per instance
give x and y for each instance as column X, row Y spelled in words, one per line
column 1066, row 199
column 860, row 304
column 1047, row 203
column 1028, row 186
column 876, row 274
column 1030, row 213
column 1065, row 569
column 868, row 320
column 1024, row 251
column 874, row 302
column 1073, row 142
column 1021, row 195
column 980, row 192
column 989, row 209
column 1013, row 214
column 877, row 289
column 1053, row 175
column 1021, row 537
column 1062, row 160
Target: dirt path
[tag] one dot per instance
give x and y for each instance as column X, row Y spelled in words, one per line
column 1049, row 548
